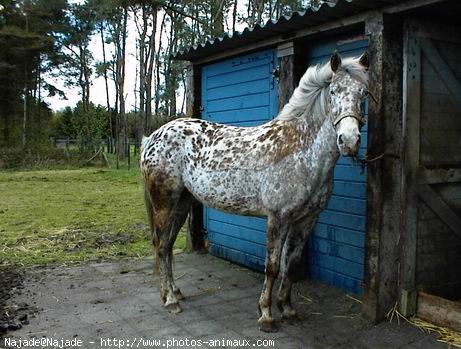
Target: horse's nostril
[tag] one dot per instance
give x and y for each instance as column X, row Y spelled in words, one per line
column 358, row 139
column 340, row 139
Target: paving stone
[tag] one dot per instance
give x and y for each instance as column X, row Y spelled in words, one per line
column 152, row 322
column 218, row 310
column 239, row 320
column 121, row 300
column 99, row 317
column 205, row 327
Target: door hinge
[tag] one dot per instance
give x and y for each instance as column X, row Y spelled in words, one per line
column 276, row 73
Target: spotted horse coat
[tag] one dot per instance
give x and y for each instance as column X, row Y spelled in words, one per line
column 282, row 169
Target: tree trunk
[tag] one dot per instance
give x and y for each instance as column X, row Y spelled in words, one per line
column 109, row 112
column 39, row 98
column 149, row 73
column 234, row 15
column 24, row 111
column 83, row 78
column 218, row 19
column 121, row 82
column 148, row 80
column 171, row 72
column 26, row 93
column 158, row 65
column 142, row 71
column 6, row 129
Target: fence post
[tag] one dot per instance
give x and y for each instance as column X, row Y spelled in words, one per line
column 129, row 154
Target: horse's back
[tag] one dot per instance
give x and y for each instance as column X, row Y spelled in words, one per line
column 210, row 160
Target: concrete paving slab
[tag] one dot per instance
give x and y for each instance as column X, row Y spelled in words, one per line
column 120, row 301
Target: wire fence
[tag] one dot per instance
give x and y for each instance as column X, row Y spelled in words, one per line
column 104, row 149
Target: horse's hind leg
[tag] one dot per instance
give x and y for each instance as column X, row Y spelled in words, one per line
column 169, row 207
column 178, row 217
column 276, row 234
column 290, row 259
column 170, row 293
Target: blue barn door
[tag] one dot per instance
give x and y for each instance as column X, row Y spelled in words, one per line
column 336, row 248
column 241, row 92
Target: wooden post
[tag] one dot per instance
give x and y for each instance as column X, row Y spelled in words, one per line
column 383, row 185
column 288, row 75
column 410, row 158
column 285, row 72
column 195, row 235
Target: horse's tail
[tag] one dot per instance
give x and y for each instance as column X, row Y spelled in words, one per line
column 150, row 219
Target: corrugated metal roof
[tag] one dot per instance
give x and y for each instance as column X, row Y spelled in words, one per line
column 283, row 26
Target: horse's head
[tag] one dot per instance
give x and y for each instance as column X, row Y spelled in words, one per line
column 348, row 89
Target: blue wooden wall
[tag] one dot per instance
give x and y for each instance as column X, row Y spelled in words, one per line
column 241, row 92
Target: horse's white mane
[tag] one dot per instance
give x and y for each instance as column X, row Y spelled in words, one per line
column 313, row 87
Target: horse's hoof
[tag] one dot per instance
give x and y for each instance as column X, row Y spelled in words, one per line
column 267, row 326
column 179, row 296
column 173, row 308
column 289, row 313
column 291, row 317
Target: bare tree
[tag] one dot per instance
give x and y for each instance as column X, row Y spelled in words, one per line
column 106, row 82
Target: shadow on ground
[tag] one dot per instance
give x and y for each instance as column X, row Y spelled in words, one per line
column 102, row 301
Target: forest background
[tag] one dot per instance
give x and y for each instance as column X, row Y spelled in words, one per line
column 66, row 68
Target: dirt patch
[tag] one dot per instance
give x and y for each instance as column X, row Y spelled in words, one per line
column 111, row 239
column 12, row 315
column 77, row 239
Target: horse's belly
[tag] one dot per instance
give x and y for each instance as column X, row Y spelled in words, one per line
column 234, row 191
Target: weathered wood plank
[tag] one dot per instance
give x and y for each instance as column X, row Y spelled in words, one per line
column 442, row 68
column 441, row 175
column 411, row 156
column 408, row 5
column 383, row 184
column 439, row 311
column 285, row 49
column 440, row 207
column 286, row 79
column 443, row 33
column 190, row 97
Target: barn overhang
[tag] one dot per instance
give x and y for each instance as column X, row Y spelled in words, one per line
column 329, row 17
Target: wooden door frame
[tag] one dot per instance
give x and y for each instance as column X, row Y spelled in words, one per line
column 416, row 179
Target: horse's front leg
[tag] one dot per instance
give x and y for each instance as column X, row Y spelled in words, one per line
column 290, row 259
column 276, row 234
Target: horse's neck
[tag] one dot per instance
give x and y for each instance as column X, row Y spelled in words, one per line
column 323, row 135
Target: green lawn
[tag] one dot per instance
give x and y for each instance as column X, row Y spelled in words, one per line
column 64, row 216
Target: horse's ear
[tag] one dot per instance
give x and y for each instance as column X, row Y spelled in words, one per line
column 335, row 62
column 364, row 60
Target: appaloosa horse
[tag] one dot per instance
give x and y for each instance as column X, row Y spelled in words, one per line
column 282, row 169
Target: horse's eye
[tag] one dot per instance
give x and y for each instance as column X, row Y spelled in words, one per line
column 332, row 92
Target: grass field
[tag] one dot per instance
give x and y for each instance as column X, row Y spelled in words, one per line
column 72, row 215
